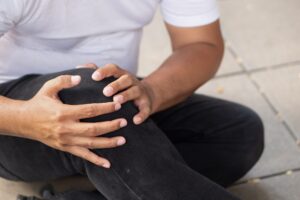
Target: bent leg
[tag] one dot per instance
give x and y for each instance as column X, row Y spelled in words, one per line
column 147, row 167
column 221, row 140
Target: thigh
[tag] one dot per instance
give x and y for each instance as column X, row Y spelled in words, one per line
column 220, row 139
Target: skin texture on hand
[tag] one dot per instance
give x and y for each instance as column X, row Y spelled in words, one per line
column 46, row 119
column 126, row 88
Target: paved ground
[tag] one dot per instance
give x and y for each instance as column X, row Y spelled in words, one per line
column 261, row 69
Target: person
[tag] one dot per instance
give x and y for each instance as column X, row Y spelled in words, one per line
column 134, row 138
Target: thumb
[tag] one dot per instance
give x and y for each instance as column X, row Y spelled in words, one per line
column 53, row 86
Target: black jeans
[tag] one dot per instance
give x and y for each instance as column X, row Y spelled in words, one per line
column 182, row 153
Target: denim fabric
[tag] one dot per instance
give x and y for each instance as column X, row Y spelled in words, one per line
column 187, row 152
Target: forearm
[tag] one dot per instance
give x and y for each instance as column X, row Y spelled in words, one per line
column 182, row 73
column 9, row 112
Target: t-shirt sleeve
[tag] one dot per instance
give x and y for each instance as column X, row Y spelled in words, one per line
column 10, row 14
column 189, row 13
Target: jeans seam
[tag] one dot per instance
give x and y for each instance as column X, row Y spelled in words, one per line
column 127, row 186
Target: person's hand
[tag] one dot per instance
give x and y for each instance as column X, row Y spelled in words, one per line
column 46, row 119
column 126, row 88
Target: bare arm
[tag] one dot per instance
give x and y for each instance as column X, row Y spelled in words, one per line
column 197, row 53
column 46, row 119
column 9, row 112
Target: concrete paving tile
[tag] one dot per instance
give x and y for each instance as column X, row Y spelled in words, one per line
column 229, row 64
column 275, row 188
column 263, row 33
column 156, row 47
column 9, row 189
column 282, row 87
column 281, row 152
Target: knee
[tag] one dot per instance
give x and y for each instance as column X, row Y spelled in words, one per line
column 246, row 136
column 90, row 91
column 253, row 130
column 251, row 135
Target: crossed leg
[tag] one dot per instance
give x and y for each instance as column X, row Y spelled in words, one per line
column 148, row 167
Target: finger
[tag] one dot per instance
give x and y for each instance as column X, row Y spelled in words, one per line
column 53, row 86
column 86, row 154
column 90, row 110
column 144, row 113
column 96, row 142
column 107, row 71
column 128, row 95
column 121, row 83
column 98, row 128
column 89, row 65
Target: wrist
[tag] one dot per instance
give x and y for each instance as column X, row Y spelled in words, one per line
column 11, row 109
column 153, row 95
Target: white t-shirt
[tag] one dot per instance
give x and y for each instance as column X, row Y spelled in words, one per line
column 44, row 36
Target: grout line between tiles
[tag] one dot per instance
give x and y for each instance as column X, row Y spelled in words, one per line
column 264, row 96
column 257, row 179
column 262, row 69
column 281, row 65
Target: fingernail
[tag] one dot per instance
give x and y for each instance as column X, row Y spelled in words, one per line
column 117, row 106
column 96, row 76
column 75, row 79
column 118, row 98
column 138, row 120
column 108, row 91
column 106, row 165
column 123, row 123
column 80, row 66
column 121, row 141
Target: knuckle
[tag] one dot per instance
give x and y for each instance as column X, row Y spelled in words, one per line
column 58, row 146
column 115, row 125
column 115, row 85
column 110, row 143
column 48, row 83
column 125, row 95
column 146, row 110
column 85, row 156
column 58, row 115
column 92, row 65
column 64, row 79
column 91, row 143
column 111, row 107
column 60, row 143
column 60, row 131
column 137, row 90
column 113, row 142
column 106, row 107
column 114, row 66
column 128, row 78
column 90, row 110
column 61, row 78
column 92, row 130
